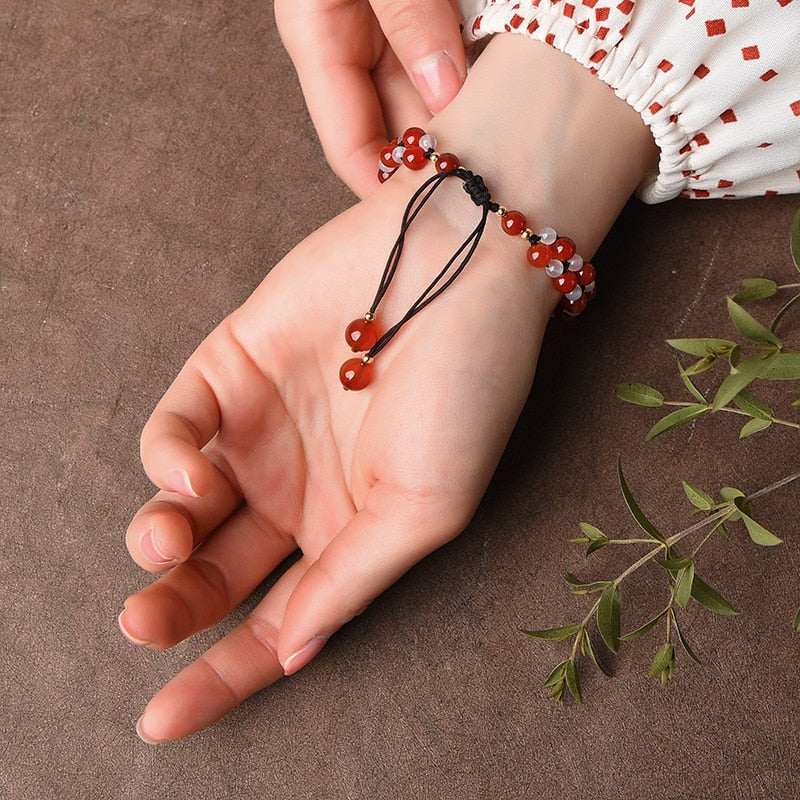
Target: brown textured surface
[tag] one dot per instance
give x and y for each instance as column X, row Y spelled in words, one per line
column 149, row 152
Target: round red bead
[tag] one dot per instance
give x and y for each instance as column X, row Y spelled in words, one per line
column 576, row 306
column 386, row 156
column 447, row 162
column 414, row 157
column 585, row 274
column 412, row 136
column 355, row 374
column 361, row 335
column 384, row 176
column 565, row 283
column 540, row 254
column 513, row 222
column 564, row 248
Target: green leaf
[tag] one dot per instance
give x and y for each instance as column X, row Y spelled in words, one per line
column 608, row 616
column 663, row 660
column 729, row 494
column 683, row 585
column 702, row 347
column 587, row 650
column 646, row 628
column 796, row 623
column 795, row 240
column 755, row 289
column 754, row 426
column 554, row 634
column 758, row 533
column 782, row 313
column 591, row 531
column 784, row 367
column 753, row 406
column 633, row 507
column 573, row 681
column 675, row 419
column 697, row 497
column 691, row 388
column 583, row 587
column 557, row 675
column 596, row 545
column 710, row 598
column 675, row 564
column 684, row 642
column 741, row 376
column 750, row 327
column 640, row 395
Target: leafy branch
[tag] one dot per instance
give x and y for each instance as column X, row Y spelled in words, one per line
column 761, row 356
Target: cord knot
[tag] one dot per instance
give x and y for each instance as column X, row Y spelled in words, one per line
column 476, row 189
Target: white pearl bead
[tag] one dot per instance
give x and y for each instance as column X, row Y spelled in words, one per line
column 554, row 268
column 427, row 142
column 385, row 167
column 575, row 263
column 397, row 154
column 547, row 235
column 574, row 294
column 589, row 287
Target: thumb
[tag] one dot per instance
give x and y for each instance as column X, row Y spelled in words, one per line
column 363, row 560
column 426, row 38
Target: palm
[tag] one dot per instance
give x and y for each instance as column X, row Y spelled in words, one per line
column 363, row 483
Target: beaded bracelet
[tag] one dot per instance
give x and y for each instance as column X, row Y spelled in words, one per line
column 557, row 255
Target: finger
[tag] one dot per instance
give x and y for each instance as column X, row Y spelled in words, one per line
column 237, row 666
column 380, row 544
column 426, row 38
column 340, row 55
column 218, row 576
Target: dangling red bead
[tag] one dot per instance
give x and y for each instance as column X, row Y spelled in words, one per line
column 384, row 176
column 564, row 248
column 513, row 223
column 355, row 374
column 540, row 254
column 414, row 157
column 412, row 136
column 447, row 162
column 361, row 335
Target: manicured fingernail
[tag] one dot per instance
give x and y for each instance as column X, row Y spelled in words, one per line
column 143, row 735
column 177, row 480
column 298, row 660
column 149, row 548
column 127, row 634
column 437, row 80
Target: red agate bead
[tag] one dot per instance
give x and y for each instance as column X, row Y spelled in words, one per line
column 414, row 157
column 384, row 176
column 540, row 254
column 564, row 248
column 447, row 162
column 585, row 274
column 355, row 374
column 565, row 283
column 386, row 155
column 412, row 136
column 513, row 223
column 361, row 335
column 576, row 306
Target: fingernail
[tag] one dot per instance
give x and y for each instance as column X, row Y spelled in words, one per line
column 437, row 80
column 127, row 634
column 298, row 660
column 143, row 735
column 177, row 480
column 148, row 546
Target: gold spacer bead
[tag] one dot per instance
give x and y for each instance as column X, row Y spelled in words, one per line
column 369, row 316
column 527, row 233
column 501, row 211
column 434, row 157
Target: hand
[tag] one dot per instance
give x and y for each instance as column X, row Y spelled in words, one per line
column 259, row 451
column 369, row 68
